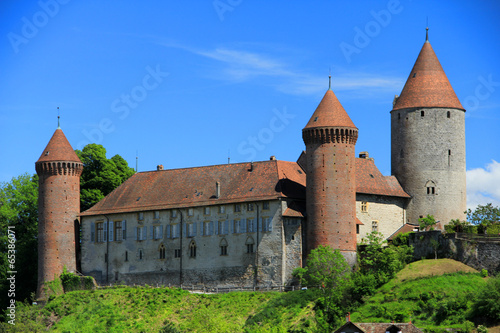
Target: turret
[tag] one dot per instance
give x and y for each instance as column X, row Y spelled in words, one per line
column 428, row 142
column 59, row 170
column 330, row 138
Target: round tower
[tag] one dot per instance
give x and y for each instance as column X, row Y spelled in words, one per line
column 428, row 142
column 330, row 137
column 59, row 170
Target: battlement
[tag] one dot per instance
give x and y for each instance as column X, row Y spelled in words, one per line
column 330, row 135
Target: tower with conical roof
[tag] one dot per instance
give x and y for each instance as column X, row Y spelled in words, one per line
column 330, row 138
column 428, row 142
column 59, row 170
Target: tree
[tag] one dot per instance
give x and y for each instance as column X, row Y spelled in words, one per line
column 484, row 216
column 19, row 211
column 486, row 305
column 427, row 222
column 100, row 175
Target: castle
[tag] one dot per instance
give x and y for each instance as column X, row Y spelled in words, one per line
column 251, row 224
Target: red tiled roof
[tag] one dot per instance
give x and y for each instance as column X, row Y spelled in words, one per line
column 330, row 113
column 295, row 209
column 403, row 229
column 58, row 149
column 384, row 327
column 369, row 180
column 427, row 85
column 190, row 187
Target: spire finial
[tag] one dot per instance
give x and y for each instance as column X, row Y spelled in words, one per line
column 58, row 119
column 427, row 30
column 330, row 79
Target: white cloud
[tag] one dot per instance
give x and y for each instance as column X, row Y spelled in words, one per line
column 483, row 185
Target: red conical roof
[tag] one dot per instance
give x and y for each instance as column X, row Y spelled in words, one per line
column 58, row 149
column 330, row 113
column 427, row 85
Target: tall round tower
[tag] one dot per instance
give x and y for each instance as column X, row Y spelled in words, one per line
column 428, row 142
column 330, row 137
column 59, row 170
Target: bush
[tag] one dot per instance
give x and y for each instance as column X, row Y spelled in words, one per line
column 486, row 304
column 484, row 272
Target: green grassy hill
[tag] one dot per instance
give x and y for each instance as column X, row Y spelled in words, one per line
column 434, row 294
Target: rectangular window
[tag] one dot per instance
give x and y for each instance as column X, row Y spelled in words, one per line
column 207, row 211
column 223, row 250
column 265, row 205
column 374, row 226
column 118, row 231
column 156, row 214
column 140, row 216
column 100, row 232
column 223, row 227
column 357, row 229
column 141, row 233
column 177, row 253
column 236, row 226
column 222, row 209
column 250, row 207
column 237, row 208
column 268, row 224
column 190, row 211
column 251, row 225
column 249, row 248
column 191, row 229
column 364, row 206
column 176, row 230
column 158, row 232
column 243, row 225
column 208, row 228
column 173, row 213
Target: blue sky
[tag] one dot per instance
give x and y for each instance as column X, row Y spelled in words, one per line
column 192, row 83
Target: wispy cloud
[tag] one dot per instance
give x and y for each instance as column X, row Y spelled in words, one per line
column 242, row 65
column 483, row 185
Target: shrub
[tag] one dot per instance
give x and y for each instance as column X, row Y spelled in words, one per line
column 484, row 272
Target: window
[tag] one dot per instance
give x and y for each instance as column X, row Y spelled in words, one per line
column 223, row 247
column 431, row 187
column 422, row 113
column 357, row 229
column 176, row 230
column 141, row 233
column 140, row 254
column 126, row 255
column 249, row 243
column 190, row 211
column 206, row 211
column 118, row 231
column 250, row 207
column 374, row 226
column 237, row 208
column 449, row 157
column 251, row 225
column 192, row 250
column 173, row 213
column 191, row 229
column 158, row 232
column 177, row 253
column 267, row 224
column 156, row 214
column 223, row 227
column 140, row 216
column 100, row 231
column 399, row 115
column 208, row 228
column 161, row 251
column 448, row 114
column 364, row 206
column 222, row 209
column 265, row 205
column 236, row 226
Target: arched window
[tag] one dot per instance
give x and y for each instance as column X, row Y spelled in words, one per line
column 223, row 247
column 161, row 251
column 250, row 245
column 431, row 187
column 192, row 249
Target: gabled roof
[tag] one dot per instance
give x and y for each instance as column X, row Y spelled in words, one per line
column 58, row 149
column 407, row 227
column 369, row 180
column 191, row 187
column 330, row 113
column 427, row 84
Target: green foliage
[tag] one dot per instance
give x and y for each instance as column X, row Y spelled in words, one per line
column 427, row 222
column 19, row 211
column 100, row 175
column 402, row 239
column 71, row 282
column 484, row 216
column 486, row 304
column 484, row 272
column 482, row 329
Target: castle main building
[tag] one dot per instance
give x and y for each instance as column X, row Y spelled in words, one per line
column 251, row 224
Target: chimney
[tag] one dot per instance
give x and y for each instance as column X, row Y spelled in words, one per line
column 217, row 190
column 272, row 158
column 251, row 167
column 348, row 317
column 364, row 154
column 159, row 167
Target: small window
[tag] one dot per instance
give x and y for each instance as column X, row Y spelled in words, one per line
column 422, row 113
column 448, row 114
column 223, row 247
column 357, row 229
column 173, row 213
column 192, row 250
column 431, row 187
column 118, row 231
column 415, row 74
column 158, row 232
column 237, row 208
column 265, row 205
column 175, row 230
column 140, row 216
column 206, row 211
column 364, row 206
column 141, row 254
column 208, row 228
column 250, row 207
column 177, row 253
column 156, row 214
column 222, row 209
column 374, row 226
column 126, row 255
column 191, row 229
column 250, row 245
column 161, row 251
column 100, row 231
column 399, row 115
column 190, row 211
